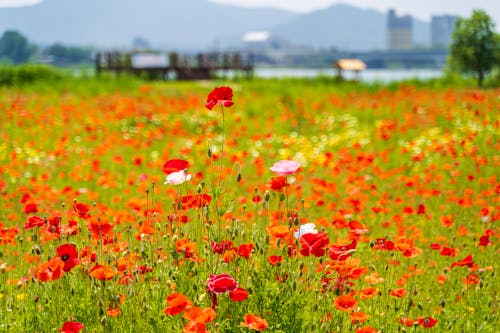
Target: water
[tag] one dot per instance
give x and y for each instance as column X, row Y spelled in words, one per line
column 368, row 75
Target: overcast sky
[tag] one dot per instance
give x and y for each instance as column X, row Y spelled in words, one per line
column 422, row 9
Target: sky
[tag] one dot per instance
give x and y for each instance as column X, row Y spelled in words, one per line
column 423, row 9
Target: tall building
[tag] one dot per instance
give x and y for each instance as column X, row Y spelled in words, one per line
column 399, row 31
column 442, row 27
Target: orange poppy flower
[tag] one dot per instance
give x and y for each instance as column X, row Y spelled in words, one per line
column 177, row 303
column 346, row 303
column 278, row 231
column 254, row 322
column 113, row 312
column 367, row 293
column 194, row 327
column 358, row 317
column 102, row 273
column 48, row 271
column 198, row 315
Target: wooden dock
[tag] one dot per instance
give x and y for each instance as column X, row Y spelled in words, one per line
column 173, row 66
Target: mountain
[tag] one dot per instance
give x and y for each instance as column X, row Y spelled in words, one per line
column 190, row 25
column 344, row 27
column 186, row 24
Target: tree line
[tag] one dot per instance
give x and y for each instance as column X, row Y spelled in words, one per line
column 16, row 49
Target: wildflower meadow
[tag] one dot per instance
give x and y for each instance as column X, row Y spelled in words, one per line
column 249, row 206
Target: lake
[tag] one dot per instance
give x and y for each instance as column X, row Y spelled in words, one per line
column 369, row 75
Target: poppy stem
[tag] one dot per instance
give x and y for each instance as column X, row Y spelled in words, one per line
column 222, row 147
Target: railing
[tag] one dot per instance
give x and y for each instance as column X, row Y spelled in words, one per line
column 175, row 66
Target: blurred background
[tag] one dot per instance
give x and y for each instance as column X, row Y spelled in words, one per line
column 393, row 38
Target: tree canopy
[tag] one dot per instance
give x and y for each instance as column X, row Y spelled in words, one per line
column 475, row 48
column 14, row 47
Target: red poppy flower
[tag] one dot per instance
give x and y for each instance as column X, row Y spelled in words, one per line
column 220, row 96
column 472, row 279
column 222, row 283
column 448, row 252
column 224, row 245
column 239, row 295
column 427, row 322
column 357, row 227
column 383, row 244
column 367, row 329
column 195, row 201
column 175, row 165
column 254, row 322
column 82, row 210
column 71, row 327
column 313, row 244
column 69, row 255
column 244, row 250
column 342, row 252
column 30, row 208
column 467, row 261
column 485, row 239
column 278, row 183
column 275, row 260
column 53, row 225
column 34, row 221
column 398, row 292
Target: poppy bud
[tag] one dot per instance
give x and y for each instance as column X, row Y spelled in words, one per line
column 267, row 196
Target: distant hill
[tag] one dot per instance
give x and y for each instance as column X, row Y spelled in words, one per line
column 186, row 24
column 345, row 27
column 195, row 24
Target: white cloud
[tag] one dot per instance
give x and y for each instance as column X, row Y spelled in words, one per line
column 18, row 3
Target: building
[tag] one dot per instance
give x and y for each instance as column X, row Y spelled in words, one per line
column 442, row 27
column 399, row 31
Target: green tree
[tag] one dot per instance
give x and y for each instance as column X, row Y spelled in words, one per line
column 15, row 47
column 474, row 46
column 65, row 55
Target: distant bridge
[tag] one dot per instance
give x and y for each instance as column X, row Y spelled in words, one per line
column 173, row 66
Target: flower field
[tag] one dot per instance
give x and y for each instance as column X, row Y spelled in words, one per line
column 275, row 206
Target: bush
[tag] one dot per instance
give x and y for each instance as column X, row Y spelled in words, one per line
column 26, row 74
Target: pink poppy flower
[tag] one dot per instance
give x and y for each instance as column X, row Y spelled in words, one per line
column 177, row 178
column 285, row 167
column 222, row 283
